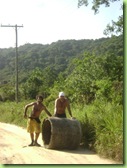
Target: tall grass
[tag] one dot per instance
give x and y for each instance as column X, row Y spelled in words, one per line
column 102, row 127
column 12, row 112
column 101, row 123
column 109, row 130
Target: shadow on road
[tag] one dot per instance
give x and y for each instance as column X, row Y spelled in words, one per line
column 75, row 151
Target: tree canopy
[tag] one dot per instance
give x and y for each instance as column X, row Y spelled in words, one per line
column 85, row 69
column 117, row 26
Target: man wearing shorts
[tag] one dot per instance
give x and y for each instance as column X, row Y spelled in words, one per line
column 61, row 103
column 33, row 124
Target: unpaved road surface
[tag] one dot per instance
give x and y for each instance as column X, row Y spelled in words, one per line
column 14, row 150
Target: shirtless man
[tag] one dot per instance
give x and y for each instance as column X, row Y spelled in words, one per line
column 33, row 124
column 61, row 103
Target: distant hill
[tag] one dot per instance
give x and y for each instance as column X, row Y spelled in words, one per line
column 56, row 55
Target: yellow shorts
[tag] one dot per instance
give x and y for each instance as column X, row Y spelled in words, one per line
column 33, row 126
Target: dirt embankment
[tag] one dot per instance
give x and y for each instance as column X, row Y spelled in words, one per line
column 14, row 150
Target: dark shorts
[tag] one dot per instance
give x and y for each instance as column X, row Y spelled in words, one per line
column 60, row 115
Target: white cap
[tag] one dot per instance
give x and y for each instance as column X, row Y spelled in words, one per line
column 61, row 94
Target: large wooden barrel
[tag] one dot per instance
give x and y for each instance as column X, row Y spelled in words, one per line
column 61, row 133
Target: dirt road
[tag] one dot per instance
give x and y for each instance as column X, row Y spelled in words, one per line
column 14, row 150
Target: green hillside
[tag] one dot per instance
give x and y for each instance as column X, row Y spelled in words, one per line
column 42, row 68
column 56, row 55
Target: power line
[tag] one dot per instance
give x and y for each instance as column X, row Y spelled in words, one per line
column 16, row 58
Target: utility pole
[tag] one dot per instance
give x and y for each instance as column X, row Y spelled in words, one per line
column 16, row 59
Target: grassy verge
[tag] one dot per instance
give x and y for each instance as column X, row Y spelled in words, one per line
column 101, row 122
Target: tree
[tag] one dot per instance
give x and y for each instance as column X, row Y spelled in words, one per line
column 95, row 77
column 32, row 86
column 116, row 27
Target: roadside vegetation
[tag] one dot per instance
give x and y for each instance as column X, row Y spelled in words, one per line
column 101, row 123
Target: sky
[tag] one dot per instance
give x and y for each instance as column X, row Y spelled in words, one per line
column 47, row 21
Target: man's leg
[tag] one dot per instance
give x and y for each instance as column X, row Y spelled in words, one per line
column 32, row 139
column 36, row 138
column 30, row 129
column 37, row 129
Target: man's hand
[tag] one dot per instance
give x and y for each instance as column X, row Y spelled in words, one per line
column 73, row 118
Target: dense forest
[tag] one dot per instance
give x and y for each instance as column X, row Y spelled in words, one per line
column 82, row 66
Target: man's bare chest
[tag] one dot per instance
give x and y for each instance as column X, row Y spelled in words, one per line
column 38, row 108
column 62, row 104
